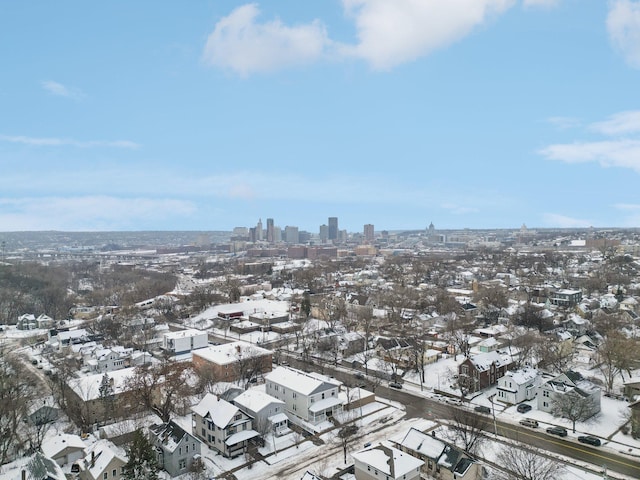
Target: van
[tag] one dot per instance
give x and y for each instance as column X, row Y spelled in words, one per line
column 528, row 422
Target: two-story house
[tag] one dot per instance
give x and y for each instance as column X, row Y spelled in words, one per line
column 104, row 461
column 483, row 370
column 222, row 426
column 518, row 386
column 309, row 396
column 175, row 449
column 184, row 341
column 572, row 385
column 267, row 411
column 566, row 298
column 384, row 461
column 442, row 460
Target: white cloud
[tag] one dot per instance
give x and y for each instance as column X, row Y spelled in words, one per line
column 619, row 124
column 627, row 206
column 389, row 33
column 623, row 25
column 394, row 32
column 240, row 44
column 87, row 212
column 563, row 221
column 60, row 90
column 620, row 153
column 62, row 142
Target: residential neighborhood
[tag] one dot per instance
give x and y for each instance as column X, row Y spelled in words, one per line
column 418, row 359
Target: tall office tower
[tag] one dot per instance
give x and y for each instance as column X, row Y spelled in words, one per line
column 270, row 230
column 259, row 230
column 333, row 228
column 368, row 233
column 291, row 234
column 277, row 234
column 324, row 233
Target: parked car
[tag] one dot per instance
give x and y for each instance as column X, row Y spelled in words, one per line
column 529, row 422
column 524, row 408
column 591, row 440
column 560, row 431
column 359, row 376
column 454, row 401
column 395, row 385
column 482, row 409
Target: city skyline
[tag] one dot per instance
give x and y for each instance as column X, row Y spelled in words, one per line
column 468, row 114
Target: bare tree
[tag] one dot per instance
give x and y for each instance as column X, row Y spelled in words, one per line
column 574, row 406
column 554, row 356
column 526, row 464
column 345, row 434
column 467, row 429
column 162, row 388
column 616, row 354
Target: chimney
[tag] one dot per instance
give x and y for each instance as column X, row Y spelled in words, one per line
column 93, row 458
column 24, row 475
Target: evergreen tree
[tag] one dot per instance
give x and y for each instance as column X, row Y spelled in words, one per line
column 142, row 461
column 107, row 397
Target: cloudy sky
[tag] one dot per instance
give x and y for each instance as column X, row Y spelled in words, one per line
column 206, row 115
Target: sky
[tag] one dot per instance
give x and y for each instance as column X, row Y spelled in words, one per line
column 207, row 115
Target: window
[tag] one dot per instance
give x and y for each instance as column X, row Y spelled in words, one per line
column 322, row 395
column 545, row 393
column 180, row 451
column 105, row 475
column 186, row 449
column 182, row 464
column 114, row 473
column 295, row 395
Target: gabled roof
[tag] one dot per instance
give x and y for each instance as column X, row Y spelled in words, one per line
column 219, row 411
column 301, row 382
column 483, row 361
column 388, row 460
column 53, row 446
column 170, row 434
column 255, row 400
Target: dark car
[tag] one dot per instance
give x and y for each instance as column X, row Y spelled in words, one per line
column 482, row 409
column 560, row 431
column 595, row 441
column 359, row 376
column 524, row 408
column 395, row 385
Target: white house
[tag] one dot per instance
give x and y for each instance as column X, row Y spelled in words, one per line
column 568, row 383
column 518, row 386
column 184, row 341
column 383, row 461
column 267, row 411
column 310, row 396
column 64, row 448
column 222, row 426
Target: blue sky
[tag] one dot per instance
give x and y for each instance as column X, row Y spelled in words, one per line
column 209, row 115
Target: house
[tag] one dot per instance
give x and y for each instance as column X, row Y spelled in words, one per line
column 108, row 359
column 64, row 448
column 384, row 461
column 442, row 460
column 483, row 370
column 83, row 396
column 184, row 341
column 104, row 461
column 44, row 321
column 309, row 396
column 631, row 389
column 518, row 386
column 267, row 411
column 233, row 361
column 222, row 426
column 566, row 298
column 489, row 344
column 26, row 321
column 634, row 418
column 36, row 467
column 175, row 449
column 568, row 383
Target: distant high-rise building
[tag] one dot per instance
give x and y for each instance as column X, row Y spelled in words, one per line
column 291, row 234
column 277, row 234
column 270, row 237
column 259, row 230
column 333, row 228
column 324, row 233
column 368, row 233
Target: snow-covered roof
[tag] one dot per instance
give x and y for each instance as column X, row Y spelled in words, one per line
column 255, row 400
column 422, row 443
column 88, row 387
column 324, row 404
column 103, row 452
column 301, row 382
column 229, row 352
column 388, row 460
column 241, row 437
column 52, row 446
column 522, row 376
column 219, row 411
column 190, row 332
column 483, row 361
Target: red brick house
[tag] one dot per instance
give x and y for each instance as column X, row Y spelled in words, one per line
column 481, row 371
